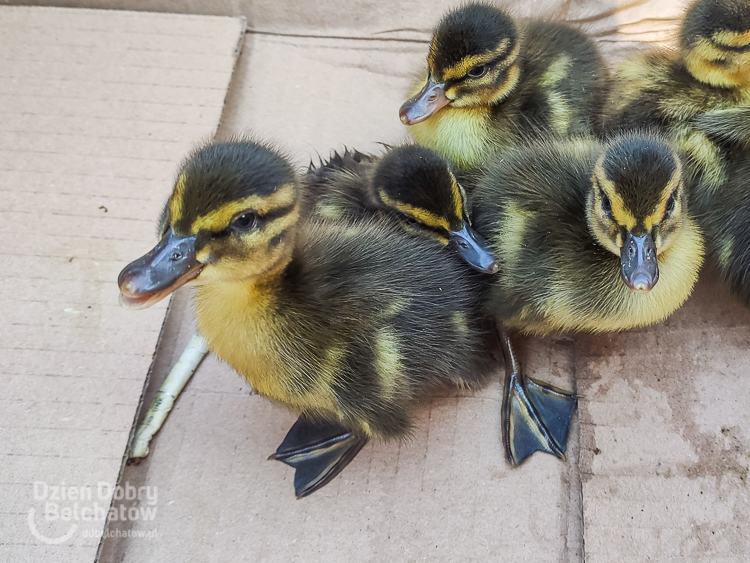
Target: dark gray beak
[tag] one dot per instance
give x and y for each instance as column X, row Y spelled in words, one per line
column 639, row 268
column 474, row 249
column 423, row 104
column 169, row 265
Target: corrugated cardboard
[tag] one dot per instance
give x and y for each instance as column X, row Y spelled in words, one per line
column 97, row 109
column 661, row 470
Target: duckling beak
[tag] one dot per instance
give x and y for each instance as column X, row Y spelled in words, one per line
column 421, row 106
column 169, row 265
column 474, row 249
column 639, row 267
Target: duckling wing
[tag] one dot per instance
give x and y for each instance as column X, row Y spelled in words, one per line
column 381, row 316
column 730, row 125
column 727, row 229
column 534, row 217
column 642, row 91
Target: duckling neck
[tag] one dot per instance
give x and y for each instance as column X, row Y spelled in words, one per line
column 234, row 317
column 466, row 134
column 240, row 321
column 460, row 134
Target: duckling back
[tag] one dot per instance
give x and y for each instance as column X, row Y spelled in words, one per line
column 362, row 319
column 566, row 81
column 339, row 187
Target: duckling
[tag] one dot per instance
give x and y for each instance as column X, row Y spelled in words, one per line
column 344, row 323
column 699, row 94
column 492, row 80
column 567, row 234
column 412, row 184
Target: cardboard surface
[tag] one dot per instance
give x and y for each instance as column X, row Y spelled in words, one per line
column 666, row 435
column 97, row 109
column 615, row 20
column 660, row 472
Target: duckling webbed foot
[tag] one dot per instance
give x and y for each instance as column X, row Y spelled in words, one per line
column 535, row 416
column 318, row 451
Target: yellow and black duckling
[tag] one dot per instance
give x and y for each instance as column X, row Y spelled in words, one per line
column 492, row 80
column 570, row 221
column 699, row 94
column 412, row 184
column 343, row 323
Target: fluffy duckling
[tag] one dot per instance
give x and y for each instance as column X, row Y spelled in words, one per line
column 342, row 323
column 492, row 80
column 413, row 184
column 699, row 94
column 582, row 241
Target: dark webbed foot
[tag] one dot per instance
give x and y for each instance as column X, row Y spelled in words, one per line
column 318, row 451
column 536, row 416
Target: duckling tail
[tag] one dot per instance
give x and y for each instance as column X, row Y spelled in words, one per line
column 318, row 451
column 535, row 416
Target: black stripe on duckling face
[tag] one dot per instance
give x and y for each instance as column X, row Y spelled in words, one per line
column 715, row 42
column 418, row 185
column 230, row 217
column 636, row 205
column 473, row 61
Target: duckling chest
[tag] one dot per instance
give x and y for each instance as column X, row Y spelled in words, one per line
column 243, row 328
column 603, row 303
column 463, row 135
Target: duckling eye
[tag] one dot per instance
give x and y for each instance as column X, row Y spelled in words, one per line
column 410, row 221
column 606, row 206
column 670, row 206
column 245, row 222
column 477, row 72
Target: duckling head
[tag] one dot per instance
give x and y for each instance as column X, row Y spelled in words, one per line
column 637, row 205
column 418, row 186
column 715, row 42
column 473, row 61
column 231, row 218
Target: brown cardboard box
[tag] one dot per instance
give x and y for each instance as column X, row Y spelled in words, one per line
column 97, row 109
column 661, row 471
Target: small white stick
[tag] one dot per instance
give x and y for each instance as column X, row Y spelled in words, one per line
column 173, row 385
